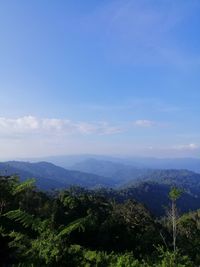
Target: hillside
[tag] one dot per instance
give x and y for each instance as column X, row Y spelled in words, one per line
column 155, row 197
column 71, row 161
column 149, row 187
column 152, row 190
column 49, row 176
column 188, row 180
column 118, row 171
column 83, row 228
column 192, row 164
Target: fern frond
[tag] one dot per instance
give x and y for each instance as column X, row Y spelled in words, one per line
column 28, row 184
column 79, row 224
column 27, row 220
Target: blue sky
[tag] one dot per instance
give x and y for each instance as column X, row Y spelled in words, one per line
column 104, row 77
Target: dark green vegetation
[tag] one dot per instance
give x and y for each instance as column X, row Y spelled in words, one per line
column 78, row 227
column 150, row 187
column 154, row 196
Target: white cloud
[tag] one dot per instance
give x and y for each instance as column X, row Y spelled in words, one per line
column 190, row 146
column 144, row 123
column 33, row 125
column 27, row 122
column 99, row 128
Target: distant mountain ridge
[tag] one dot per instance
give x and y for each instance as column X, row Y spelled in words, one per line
column 120, row 172
column 155, row 197
column 148, row 186
column 192, row 164
column 185, row 179
column 68, row 161
column 49, row 176
column 152, row 189
column 95, row 173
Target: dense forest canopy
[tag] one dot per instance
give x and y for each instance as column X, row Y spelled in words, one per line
column 78, row 227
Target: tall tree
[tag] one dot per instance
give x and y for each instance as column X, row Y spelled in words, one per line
column 174, row 194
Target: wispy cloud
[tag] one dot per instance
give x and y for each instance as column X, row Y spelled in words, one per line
column 191, row 146
column 145, row 123
column 30, row 135
column 33, row 126
column 30, row 124
column 176, row 150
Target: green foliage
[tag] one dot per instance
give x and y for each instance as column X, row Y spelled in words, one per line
column 27, row 185
column 126, row 260
column 77, row 227
column 175, row 193
column 189, row 231
column 79, row 224
column 24, row 218
column 172, row 259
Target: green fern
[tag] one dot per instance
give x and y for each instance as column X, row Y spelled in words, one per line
column 79, row 224
column 28, row 184
column 27, row 220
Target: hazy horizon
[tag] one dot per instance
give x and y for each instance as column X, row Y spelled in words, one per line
column 99, row 77
column 106, row 157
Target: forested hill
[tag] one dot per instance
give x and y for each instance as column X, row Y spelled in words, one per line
column 83, row 162
column 49, row 176
column 150, row 187
column 119, row 171
column 97, row 174
column 185, row 179
column 83, row 228
column 154, row 196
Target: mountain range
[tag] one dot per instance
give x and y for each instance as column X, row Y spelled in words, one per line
column 69, row 161
column 146, row 185
column 49, row 176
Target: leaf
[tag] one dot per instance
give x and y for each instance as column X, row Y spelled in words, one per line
column 175, row 193
column 28, row 184
column 24, row 218
column 78, row 224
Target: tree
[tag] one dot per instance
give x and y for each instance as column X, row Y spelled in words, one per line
column 174, row 194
